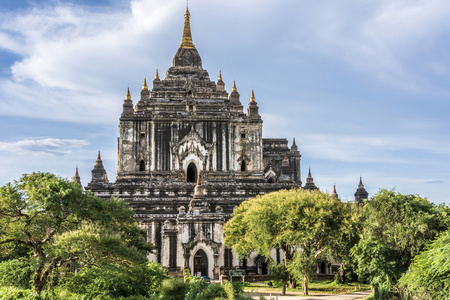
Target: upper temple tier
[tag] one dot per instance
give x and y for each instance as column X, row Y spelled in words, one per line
column 187, row 124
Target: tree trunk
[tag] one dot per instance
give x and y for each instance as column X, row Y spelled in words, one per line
column 41, row 275
column 305, row 285
column 292, row 282
column 342, row 274
column 39, row 283
column 283, row 290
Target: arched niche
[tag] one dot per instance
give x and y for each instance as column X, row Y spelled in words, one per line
column 243, row 166
column 191, row 173
column 142, row 166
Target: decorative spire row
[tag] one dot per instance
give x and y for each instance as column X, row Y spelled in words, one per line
column 186, row 42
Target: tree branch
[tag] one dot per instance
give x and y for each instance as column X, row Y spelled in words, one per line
column 14, row 240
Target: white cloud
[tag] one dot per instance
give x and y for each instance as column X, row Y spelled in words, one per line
column 46, row 146
column 384, row 39
column 77, row 62
column 370, row 149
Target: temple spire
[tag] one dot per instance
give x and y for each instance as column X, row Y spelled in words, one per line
column 199, row 182
column 157, row 75
column 144, row 86
column 186, row 42
column 361, row 193
column 77, row 178
column 234, row 89
column 252, row 98
column 127, row 97
column 310, row 182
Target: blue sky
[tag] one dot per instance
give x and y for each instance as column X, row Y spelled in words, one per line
column 362, row 85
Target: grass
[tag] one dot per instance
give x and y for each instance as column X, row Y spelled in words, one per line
column 315, row 286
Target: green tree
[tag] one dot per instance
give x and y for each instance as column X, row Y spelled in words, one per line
column 428, row 277
column 396, row 227
column 115, row 280
column 53, row 223
column 305, row 225
column 349, row 236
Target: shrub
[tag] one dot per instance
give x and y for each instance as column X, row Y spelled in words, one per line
column 16, row 274
column 173, row 289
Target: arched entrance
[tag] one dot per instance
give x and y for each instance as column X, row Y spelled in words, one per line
column 200, row 263
column 243, row 166
column 191, row 173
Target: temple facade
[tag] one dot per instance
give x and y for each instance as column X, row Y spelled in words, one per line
column 188, row 153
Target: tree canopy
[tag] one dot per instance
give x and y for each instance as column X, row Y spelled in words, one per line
column 428, row 277
column 53, row 223
column 304, row 224
column 396, row 228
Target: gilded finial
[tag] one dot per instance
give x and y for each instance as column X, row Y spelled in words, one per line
column 128, row 96
column 98, row 156
column 157, row 75
column 145, row 87
column 309, row 173
column 234, row 89
column 252, row 98
column 220, row 76
column 186, row 42
column 334, row 190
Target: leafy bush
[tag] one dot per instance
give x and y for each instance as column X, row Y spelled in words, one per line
column 382, row 287
column 229, row 290
column 116, row 281
column 16, row 274
column 173, row 289
column 428, row 276
column 199, row 289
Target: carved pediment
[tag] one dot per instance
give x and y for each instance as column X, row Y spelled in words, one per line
column 199, row 238
column 270, row 172
column 192, row 147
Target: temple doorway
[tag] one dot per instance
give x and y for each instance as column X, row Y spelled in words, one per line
column 200, row 263
column 191, row 173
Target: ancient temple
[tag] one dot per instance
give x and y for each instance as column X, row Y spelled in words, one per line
column 184, row 128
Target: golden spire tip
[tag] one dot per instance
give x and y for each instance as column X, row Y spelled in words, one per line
column 252, row 98
column 128, row 95
column 157, row 75
column 186, row 42
column 145, row 87
column 234, row 89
